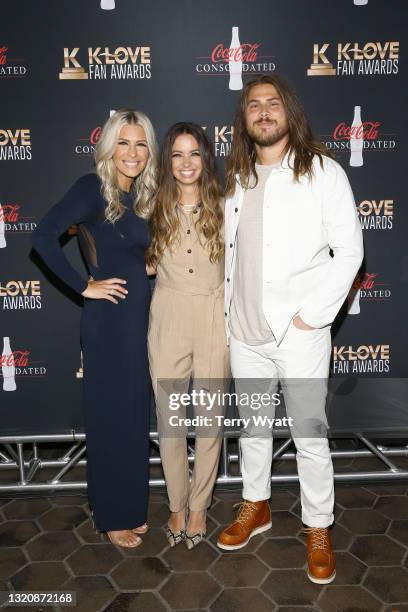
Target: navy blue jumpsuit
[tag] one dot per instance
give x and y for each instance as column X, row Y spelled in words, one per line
column 114, row 345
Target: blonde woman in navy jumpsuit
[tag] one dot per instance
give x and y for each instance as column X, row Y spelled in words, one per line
column 110, row 209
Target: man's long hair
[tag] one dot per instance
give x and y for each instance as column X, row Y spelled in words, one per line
column 165, row 220
column 302, row 144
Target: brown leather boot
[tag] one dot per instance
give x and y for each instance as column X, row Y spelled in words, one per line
column 252, row 518
column 320, row 556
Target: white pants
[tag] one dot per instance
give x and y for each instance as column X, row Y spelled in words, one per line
column 301, row 355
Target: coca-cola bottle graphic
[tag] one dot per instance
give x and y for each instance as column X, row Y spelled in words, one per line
column 360, row 2
column 107, row 5
column 356, row 139
column 3, row 242
column 7, row 366
column 353, row 298
column 235, row 64
column 80, row 371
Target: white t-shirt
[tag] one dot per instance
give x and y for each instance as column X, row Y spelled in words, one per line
column 248, row 323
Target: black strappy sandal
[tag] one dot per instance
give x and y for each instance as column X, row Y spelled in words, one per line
column 175, row 538
column 193, row 540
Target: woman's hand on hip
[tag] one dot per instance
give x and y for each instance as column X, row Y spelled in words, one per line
column 107, row 289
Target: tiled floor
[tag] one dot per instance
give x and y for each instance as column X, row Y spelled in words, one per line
column 48, row 543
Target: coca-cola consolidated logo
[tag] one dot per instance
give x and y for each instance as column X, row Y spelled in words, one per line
column 367, row 288
column 128, row 62
column 20, row 295
column 234, row 60
column 11, row 67
column 86, row 146
column 15, row 144
column 13, row 222
column 366, row 358
column 370, row 287
column 18, row 363
column 358, row 137
column 354, row 59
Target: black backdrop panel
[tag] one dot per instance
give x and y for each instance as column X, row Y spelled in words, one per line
column 168, row 59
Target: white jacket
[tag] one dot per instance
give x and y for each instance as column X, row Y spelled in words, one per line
column 302, row 221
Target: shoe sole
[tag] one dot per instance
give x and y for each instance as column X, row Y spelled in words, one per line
column 321, row 580
column 255, row 532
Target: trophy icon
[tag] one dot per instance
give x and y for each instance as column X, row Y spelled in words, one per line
column 321, row 65
column 72, row 68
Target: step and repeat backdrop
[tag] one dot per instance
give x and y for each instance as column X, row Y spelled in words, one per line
column 65, row 65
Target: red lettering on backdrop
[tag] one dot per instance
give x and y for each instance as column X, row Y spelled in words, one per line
column 3, row 57
column 367, row 281
column 244, row 53
column 95, row 135
column 16, row 358
column 368, row 130
column 10, row 213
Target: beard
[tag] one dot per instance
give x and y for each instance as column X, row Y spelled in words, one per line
column 267, row 139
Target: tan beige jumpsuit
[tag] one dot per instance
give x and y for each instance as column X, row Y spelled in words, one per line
column 186, row 341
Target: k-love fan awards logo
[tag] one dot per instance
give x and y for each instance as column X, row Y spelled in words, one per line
column 234, row 60
column 13, row 222
column 130, row 62
column 221, row 136
column 366, row 358
column 20, row 295
column 358, row 137
column 367, row 287
column 376, row 214
column 15, row 144
column 11, row 67
column 355, row 59
column 18, row 363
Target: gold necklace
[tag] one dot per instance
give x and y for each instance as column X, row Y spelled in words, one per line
column 188, row 208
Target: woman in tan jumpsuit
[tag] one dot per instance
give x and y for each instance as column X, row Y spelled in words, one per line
column 186, row 338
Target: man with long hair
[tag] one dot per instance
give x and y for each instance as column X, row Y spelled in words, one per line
column 288, row 205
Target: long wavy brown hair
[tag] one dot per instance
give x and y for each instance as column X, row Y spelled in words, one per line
column 164, row 220
column 301, row 143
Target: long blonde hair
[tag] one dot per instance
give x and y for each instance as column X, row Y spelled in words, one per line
column 164, row 221
column 144, row 186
